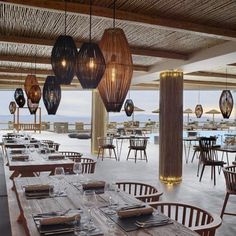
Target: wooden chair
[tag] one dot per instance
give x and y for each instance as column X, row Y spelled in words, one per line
column 106, row 143
column 138, row 144
column 230, row 180
column 197, row 219
column 141, row 191
column 88, row 165
column 55, row 146
column 74, row 156
column 208, row 156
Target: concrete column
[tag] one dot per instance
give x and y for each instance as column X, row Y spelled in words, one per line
column 171, row 127
column 99, row 120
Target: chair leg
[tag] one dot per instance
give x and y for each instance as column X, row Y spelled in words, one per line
column 224, row 205
column 115, row 153
column 128, row 154
column 198, row 166
column 145, row 154
column 102, row 154
column 135, row 155
column 214, row 171
column 203, row 167
column 109, row 152
column 193, row 155
column 99, row 149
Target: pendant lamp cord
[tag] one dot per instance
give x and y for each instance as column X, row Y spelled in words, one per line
column 35, row 60
column 90, row 20
column 114, row 13
column 226, row 79
column 65, row 15
column 199, row 95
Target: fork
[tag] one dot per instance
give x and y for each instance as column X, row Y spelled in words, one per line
column 54, row 213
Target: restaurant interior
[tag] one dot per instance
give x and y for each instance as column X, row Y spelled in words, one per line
column 172, row 176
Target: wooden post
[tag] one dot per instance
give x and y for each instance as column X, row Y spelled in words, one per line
column 99, row 120
column 171, row 127
column 17, row 119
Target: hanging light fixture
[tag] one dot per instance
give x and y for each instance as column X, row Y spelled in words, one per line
column 12, row 107
column 51, row 94
column 34, row 93
column 63, row 57
column 129, row 107
column 19, row 97
column 198, row 109
column 226, row 102
column 33, row 107
column 116, row 80
column 30, row 80
column 90, row 65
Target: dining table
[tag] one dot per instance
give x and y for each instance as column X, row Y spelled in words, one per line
column 187, row 141
column 34, row 210
column 226, row 149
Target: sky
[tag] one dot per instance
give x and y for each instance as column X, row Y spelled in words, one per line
column 78, row 103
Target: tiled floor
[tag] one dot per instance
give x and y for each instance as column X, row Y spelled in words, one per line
column 204, row 194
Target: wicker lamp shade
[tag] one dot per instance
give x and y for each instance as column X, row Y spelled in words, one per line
column 33, row 107
column 34, row 94
column 129, row 107
column 30, row 80
column 12, row 107
column 90, row 65
column 63, row 59
column 19, row 97
column 51, row 94
column 226, row 103
column 116, row 80
column 198, row 110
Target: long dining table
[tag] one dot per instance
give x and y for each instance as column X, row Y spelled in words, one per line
column 73, row 201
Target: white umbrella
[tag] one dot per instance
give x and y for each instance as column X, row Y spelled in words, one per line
column 213, row 112
column 188, row 111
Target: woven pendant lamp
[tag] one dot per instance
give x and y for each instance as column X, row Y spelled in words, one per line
column 12, row 107
column 34, row 93
column 51, row 94
column 90, row 64
column 198, row 110
column 116, row 80
column 33, row 107
column 129, row 107
column 30, row 80
column 19, row 97
column 226, row 103
column 63, row 57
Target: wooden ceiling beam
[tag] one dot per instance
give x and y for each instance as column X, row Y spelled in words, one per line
column 211, row 74
column 172, row 24
column 47, row 61
column 139, row 51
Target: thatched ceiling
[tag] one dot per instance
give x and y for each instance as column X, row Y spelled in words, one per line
column 159, row 32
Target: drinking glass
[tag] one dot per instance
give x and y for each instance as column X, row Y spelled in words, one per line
column 59, row 173
column 78, row 170
column 112, row 192
column 89, row 202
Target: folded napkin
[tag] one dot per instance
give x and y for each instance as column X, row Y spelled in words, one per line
column 135, row 212
column 94, row 185
column 59, row 219
column 20, row 158
column 38, row 187
column 16, row 151
column 33, row 141
column 56, row 157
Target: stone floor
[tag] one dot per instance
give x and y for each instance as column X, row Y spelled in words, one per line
column 191, row 191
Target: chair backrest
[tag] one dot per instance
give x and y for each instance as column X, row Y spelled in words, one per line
column 55, row 146
column 88, row 165
column 197, row 219
column 206, row 148
column 138, row 142
column 142, row 191
column 230, row 179
column 74, row 156
column 105, row 141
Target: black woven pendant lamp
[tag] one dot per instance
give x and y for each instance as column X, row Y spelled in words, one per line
column 19, row 97
column 90, row 65
column 63, row 57
column 51, row 94
column 129, row 107
column 226, row 102
column 33, row 107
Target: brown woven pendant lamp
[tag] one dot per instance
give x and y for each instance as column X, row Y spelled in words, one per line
column 116, row 80
column 30, row 80
column 35, row 93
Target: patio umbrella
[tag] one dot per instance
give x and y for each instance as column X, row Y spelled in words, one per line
column 188, row 111
column 156, row 111
column 213, row 112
